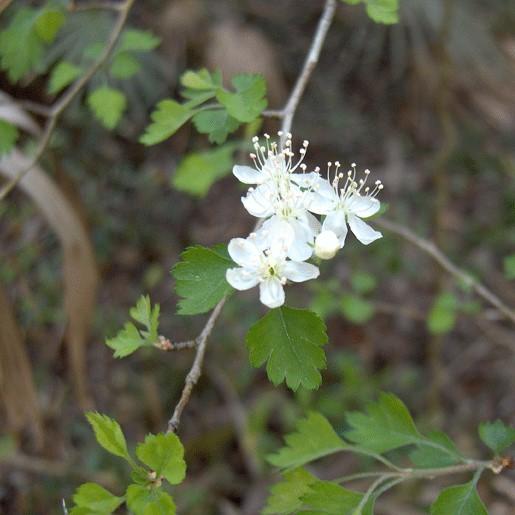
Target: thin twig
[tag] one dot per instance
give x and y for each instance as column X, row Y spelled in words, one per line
column 57, row 109
column 309, row 65
column 430, row 248
column 196, row 368
column 286, row 115
column 167, row 345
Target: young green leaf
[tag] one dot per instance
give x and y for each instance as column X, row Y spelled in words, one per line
column 332, row 499
column 509, row 267
column 201, row 80
column 290, row 342
column 460, row 499
column 168, row 118
column 442, row 317
column 108, row 105
column 249, row 100
column 443, row 454
column 124, row 66
column 134, row 40
column 313, row 439
column 286, row 496
column 217, row 123
column 197, row 172
column 8, row 136
column 164, row 454
column 96, row 499
column 130, row 338
column 386, row 425
column 109, row 434
column 63, row 74
column 200, row 278
column 21, row 48
column 48, row 23
column 497, row 435
column 356, row 308
column 383, row 11
column 144, row 501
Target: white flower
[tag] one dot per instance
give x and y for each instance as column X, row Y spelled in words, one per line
column 346, row 203
column 326, row 245
column 267, row 267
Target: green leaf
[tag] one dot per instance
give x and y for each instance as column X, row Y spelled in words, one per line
column 21, row 48
column 201, row 80
column 290, row 342
column 442, row 317
column 167, row 119
column 62, row 75
column 509, row 267
column 130, row 338
column 383, row 11
column 356, row 309
column 124, row 66
column 386, row 425
column 96, row 498
column 459, row 500
column 8, row 136
column 217, row 123
column 135, row 40
column 248, row 102
column 144, row 501
column 286, row 496
column 109, row 434
column 362, row 282
column 426, row 456
column 48, row 24
column 164, row 454
column 313, row 439
column 197, row 172
column 108, row 105
column 497, row 435
column 200, row 278
column 325, row 497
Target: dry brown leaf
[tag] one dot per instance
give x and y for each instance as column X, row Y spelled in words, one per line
column 80, row 274
column 17, row 391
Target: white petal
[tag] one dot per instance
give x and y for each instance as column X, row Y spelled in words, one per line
column 363, row 231
column 300, row 248
column 247, row 175
column 275, row 234
column 336, row 223
column 299, row 272
column 327, row 245
column 271, row 292
column 244, row 252
column 319, row 204
column 305, row 180
column 259, row 201
column 362, row 206
column 241, row 278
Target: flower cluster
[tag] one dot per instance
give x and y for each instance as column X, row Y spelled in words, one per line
column 286, row 198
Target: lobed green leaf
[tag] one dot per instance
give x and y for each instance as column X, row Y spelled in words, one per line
column 63, row 74
column 96, row 499
column 8, row 136
column 149, row 501
column 108, row 434
column 460, row 499
column 290, row 342
column 108, row 105
column 497, row 435
column 167, row 119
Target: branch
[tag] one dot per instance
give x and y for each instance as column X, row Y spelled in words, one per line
column 57, row 109
column 196, row 368
column 430, row 248
column 286, row 115
column 309, row 65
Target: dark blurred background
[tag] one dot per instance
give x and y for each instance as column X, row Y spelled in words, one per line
column 428, row 105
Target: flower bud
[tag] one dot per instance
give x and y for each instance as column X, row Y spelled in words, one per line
column 326, row 245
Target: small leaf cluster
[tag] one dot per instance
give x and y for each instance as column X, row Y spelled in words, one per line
column 28, row 34
column 107, row 103
column 380, row 11
column 161, row 458
column 385, row 425
column 213, row 109
column 131, row 338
